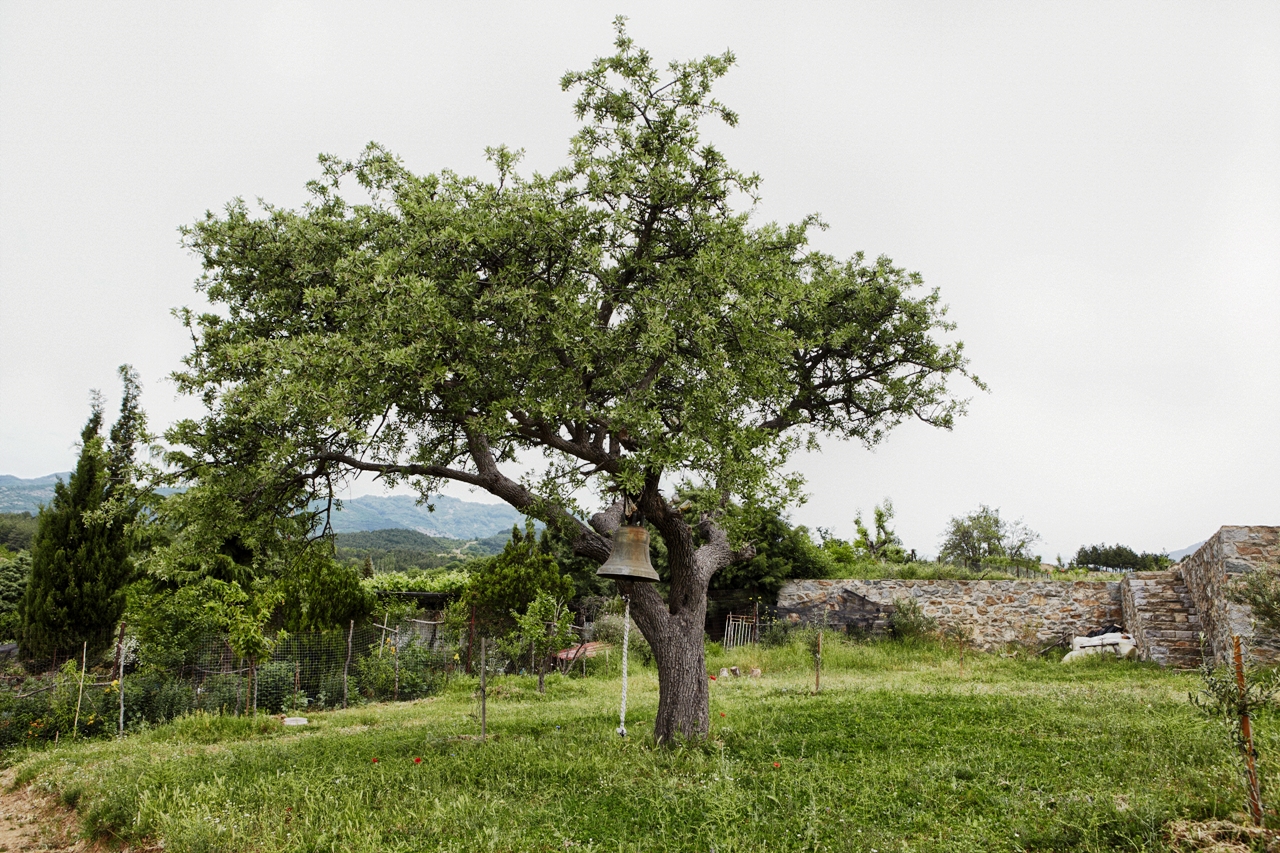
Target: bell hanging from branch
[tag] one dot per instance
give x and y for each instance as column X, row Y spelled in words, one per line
column 629, row 559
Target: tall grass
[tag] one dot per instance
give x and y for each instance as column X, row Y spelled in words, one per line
column 902, row 749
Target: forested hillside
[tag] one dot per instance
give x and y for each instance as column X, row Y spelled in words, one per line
column 400, row 550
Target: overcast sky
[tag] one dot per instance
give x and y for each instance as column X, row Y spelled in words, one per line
column 1094, row 187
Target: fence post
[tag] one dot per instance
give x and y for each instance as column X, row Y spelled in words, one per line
column 817, row 666
column 471, row 637
column 483, row 673
column 120, row 677
column 396, row 652
column 75, row 726
column 248, row 689
column 347, row 665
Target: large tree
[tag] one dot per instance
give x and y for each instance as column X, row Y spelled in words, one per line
column 81, row 556
column 607, row 334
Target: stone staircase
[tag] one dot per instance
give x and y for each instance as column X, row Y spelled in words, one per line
column 1160, row 615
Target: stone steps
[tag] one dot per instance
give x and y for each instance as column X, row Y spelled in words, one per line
column 1160, row 615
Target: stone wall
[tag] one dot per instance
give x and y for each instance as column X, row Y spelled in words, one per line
column 990, row 612
column 1209, row 574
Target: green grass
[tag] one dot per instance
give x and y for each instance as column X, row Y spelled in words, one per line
column 901, row 751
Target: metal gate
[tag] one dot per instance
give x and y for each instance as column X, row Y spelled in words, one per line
column 741, row 630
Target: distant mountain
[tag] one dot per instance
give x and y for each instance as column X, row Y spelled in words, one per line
column 452, row 519
column 1185, row 552
column 19, row 495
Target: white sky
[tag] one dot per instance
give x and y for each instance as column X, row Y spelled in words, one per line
column 1095, row 187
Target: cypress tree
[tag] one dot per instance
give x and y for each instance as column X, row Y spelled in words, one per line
column 80, row 556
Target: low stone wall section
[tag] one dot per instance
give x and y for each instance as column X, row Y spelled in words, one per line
column 991, row 613
column 1210, row 572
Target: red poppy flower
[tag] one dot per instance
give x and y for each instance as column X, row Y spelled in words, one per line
column 722, row 713
column 776, row 764
column 712, row 677
column 417, row 761
column 375, row 761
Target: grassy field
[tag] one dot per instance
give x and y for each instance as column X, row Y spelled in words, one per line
column 902, row 750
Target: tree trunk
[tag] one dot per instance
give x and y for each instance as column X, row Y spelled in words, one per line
column 674, row 627
column 678, row 649
column 683, row 709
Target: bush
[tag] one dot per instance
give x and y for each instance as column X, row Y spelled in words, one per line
column 155, row 696
column 421, row 674
column 776, row 634
column 275, row 686
column 221, row 694
column 608, row 629
column 909, row 622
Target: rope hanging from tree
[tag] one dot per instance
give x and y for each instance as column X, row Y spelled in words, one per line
column 626, row 635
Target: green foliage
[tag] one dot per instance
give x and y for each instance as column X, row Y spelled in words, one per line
column 1260, row 590
column 882, row 546
column 81, row 553
column 1119, row 558
column 783, row 553
column 609, row 314
column 909, row 622
column 542, row 630
column 317, row 592
column 448, row 581
column 982, row 536
column 17, row 529
column 420, row 673
column 608, row 629
column 169, row 624
column 14, row 574
column 502, row 588
column 243, row 616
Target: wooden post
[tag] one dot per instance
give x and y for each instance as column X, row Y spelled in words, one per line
column 396, row 652
column 817, row 666
column 471, row 638
column 120, row 677
column 383, row 641
column 297, row 683
column 1246, row 735
column 84, row 664
column 347, row 665
column 483, row 684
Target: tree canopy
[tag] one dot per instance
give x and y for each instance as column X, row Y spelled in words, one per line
column 81, row 555
column 1119, row 558
column 603, row 334
column 982, row 536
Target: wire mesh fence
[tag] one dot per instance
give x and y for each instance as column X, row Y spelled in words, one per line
column 325, row 669
column 318, row 670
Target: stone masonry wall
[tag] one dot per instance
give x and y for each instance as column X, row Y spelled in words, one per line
column 1209, row 574
column 990, row 612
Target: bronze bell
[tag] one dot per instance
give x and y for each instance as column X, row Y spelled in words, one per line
column 629, row 559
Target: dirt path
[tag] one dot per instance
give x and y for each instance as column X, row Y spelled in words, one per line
column 30, row 821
